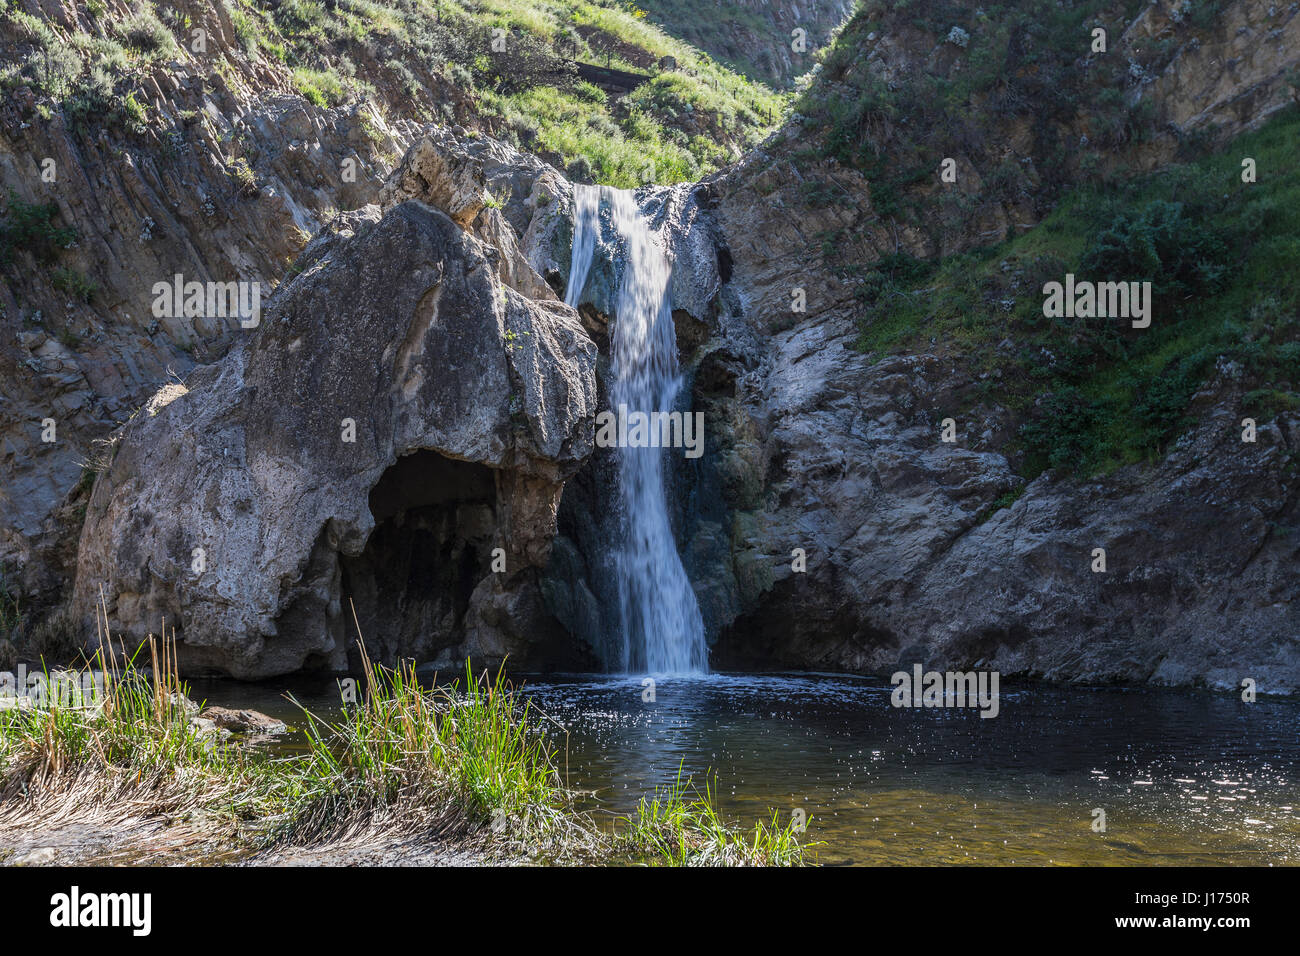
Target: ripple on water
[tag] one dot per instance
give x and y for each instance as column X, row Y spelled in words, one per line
column 1183, row 777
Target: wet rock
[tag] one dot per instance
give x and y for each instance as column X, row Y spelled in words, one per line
column 243, row 721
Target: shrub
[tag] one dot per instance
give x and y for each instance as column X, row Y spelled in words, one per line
column 525, row 62
column 73, row 283
column 1061, row 432
column 106, row 54
column 246, row 30
column 1161, row 409
column 1160, row 243
column 54, row 70
column 579, row 170
column 133, row 114
column 242, row 176
column 31, row 226
column 322, row 88
column 299, row 16
column 146, row 34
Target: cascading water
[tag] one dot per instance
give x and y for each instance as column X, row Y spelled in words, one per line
column 662, row 630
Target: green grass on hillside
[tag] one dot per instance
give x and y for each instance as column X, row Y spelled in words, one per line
column 1095, row 394
column 407, row 54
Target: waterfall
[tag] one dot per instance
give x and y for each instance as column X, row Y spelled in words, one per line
column 586, row 224
column 661, row 627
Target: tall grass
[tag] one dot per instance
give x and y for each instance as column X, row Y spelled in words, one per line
column 131, row 754
column 679, row 826
column 402, row 753
column 462, row 764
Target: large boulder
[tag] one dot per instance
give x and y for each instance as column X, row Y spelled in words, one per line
column 398, row 416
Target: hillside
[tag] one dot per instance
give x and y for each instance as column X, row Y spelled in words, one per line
column 947, row 453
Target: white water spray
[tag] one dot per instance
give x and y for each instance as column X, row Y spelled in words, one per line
column 661, row 624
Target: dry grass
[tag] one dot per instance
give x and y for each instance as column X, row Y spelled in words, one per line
column 462, row 772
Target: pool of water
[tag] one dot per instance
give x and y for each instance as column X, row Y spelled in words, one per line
column 1183, row 777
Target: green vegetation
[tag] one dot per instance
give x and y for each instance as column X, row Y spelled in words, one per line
column 30, row 226
column 243, row 177
column 403, row 751
column 144, row 33
column 461, row 762
column 1012, row 68
column 679, row 826
column 676, row 127
column 136, row 745
column 503, row 65
column 87, row 76
column 512, row 59
column 321, row 87
column 1094, row 394
column 73, row 283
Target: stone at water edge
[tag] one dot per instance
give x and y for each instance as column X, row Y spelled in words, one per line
column 243, row 721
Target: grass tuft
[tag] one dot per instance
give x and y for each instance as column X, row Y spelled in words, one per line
column 680, row 826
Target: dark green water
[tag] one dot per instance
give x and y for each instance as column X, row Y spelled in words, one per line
column 1183, row 777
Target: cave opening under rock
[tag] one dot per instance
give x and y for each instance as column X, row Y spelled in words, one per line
column 435, row 524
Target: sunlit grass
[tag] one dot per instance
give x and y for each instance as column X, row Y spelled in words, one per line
column 469, row 762
column 679, row 826
column 405, row 752
column 130, row 752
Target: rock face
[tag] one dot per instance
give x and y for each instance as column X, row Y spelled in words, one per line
column 911, row 559
column 924, row 552
column 760, row 37
column 486, row 187
column 398, row 415
column 417, row 397
column 1236, row 77
column 227, row 181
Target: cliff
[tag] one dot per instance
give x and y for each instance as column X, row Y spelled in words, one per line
column 906, row 458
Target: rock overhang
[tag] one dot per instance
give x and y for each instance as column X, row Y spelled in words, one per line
column 230, row 505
